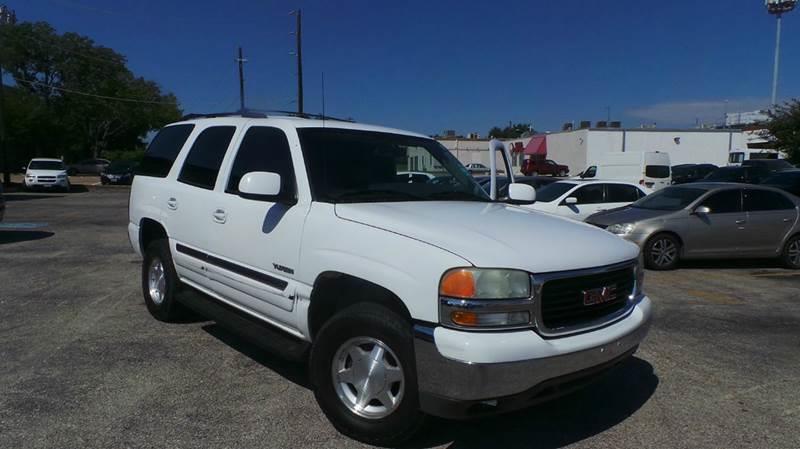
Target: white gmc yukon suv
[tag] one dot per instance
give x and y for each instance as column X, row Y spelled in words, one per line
column 409, row 297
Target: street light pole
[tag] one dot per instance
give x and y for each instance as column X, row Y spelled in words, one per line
column 298, row 32
column 778, row 8
column 7, row 17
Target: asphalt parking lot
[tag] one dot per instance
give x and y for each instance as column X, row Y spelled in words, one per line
column 83, row 365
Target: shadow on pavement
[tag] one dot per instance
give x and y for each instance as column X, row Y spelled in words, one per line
column 22, row 236
column 553, row 424
column 295, row 372
column 28, row 196
column 730, row 264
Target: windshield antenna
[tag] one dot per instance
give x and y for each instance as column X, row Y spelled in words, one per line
column 323, row 99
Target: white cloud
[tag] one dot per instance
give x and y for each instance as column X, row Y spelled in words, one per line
column 687, row 113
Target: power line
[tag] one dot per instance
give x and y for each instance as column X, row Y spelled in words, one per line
column 87, row 94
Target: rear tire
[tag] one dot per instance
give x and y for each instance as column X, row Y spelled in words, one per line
column 534, row 173
column 662, row 252
column 562, row 173
column 380, row 408
column 791, row 253
column 160, row 283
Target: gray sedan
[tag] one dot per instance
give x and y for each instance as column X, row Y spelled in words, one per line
column 709, row 220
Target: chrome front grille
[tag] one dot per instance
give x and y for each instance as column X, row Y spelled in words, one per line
column 573, row 301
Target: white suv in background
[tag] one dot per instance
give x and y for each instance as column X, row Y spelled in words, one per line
column 408, row 298
column 46, row 174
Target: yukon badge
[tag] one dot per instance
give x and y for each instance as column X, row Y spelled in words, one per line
column 286, row 270
column 599, row 295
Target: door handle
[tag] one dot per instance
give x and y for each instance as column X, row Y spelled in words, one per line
column 787, row 220
column 741, row 221
column 219, row 216
column 172, row 203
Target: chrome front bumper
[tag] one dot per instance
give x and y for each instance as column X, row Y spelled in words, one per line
column 445, row 380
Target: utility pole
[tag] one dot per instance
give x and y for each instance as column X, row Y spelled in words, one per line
column 241, row 62
column 298, row 33
column 7, row 17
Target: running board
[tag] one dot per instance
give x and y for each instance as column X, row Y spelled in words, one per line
column 258, row 332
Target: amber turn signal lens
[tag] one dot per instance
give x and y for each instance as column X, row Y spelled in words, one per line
column 464, row 318
column 457, row 284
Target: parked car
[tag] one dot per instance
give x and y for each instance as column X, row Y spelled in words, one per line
column 709, row 220
column 649, row 169
column 578, row 199
column 535, row 167
column 391, row 286
column 88, row 166
column 119, row 172
column 787, row 180
column 477, row 169
column 773, row 165
column 740, row 174
column 46, row 174
column 683, row 173
column 2, row 203
column 502, row 183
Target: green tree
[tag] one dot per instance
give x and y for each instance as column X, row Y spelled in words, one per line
column 74, row 98
column 512, row 131
column 784, row 129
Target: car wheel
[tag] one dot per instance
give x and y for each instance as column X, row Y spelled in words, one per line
column 662, row 252
column 562, row 173
column 534, row 173
column 68, row 187
column 364, row 375
column 791, row 253
column 160, row 282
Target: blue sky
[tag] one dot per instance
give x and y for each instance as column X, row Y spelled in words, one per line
column 464, row 65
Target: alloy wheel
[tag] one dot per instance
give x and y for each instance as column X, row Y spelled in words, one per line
column 368, row 377
column 156, row 281
column 793, row 253
column 663, row 252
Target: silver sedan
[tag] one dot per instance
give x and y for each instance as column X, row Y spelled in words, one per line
column 709, row 220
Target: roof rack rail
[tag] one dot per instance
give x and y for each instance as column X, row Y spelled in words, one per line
column 259, row 113
column 246, row 113
column 301, row 115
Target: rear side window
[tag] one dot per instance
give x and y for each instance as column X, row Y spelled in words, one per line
column 163, row 150
column 656, row 171
column 725, row 202
column 762, row 200
column 263, row 149
column 202, row 163
column 620, row 193
column 591, row 194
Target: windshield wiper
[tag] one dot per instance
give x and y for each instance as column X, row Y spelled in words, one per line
column 376, row 195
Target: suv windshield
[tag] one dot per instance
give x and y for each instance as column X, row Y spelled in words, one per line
column 46, row 165
column 669, row 198
column 552, row 191
column 350, row 166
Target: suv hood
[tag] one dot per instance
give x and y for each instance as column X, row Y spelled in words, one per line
column 496, row 235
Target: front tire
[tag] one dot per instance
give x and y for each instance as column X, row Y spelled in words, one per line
column 662, row 252
column 562, row 173
column 534, row 173
column 791, row 253
column 160, row 282
column 364, row 375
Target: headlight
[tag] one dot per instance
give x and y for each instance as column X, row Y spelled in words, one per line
column 476, row 283
column 474, row 298
column 621, row 228
column 62, row 176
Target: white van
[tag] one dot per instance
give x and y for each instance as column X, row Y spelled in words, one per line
column 650, row 169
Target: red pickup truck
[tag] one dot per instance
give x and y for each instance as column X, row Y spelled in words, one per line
column 534, row 167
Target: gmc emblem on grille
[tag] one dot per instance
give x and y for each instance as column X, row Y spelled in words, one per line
column 599, row 295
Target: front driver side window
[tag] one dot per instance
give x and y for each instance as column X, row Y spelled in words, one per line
column 725, row 202
column 264, row 149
